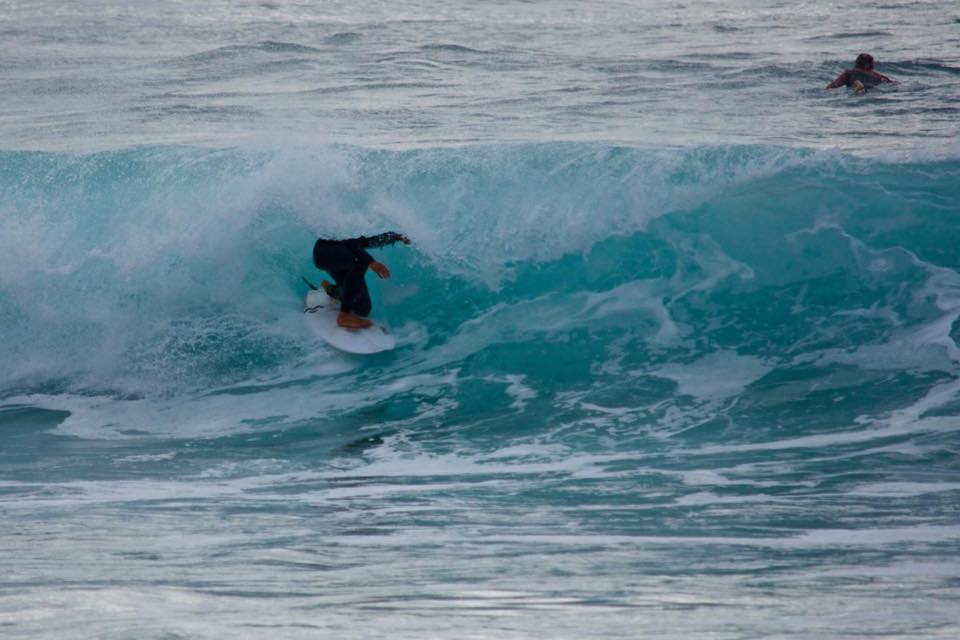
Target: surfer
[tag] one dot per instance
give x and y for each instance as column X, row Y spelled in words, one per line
column 861, row 77
column 347, row 261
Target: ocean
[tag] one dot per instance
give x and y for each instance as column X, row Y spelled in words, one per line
column 677, row 331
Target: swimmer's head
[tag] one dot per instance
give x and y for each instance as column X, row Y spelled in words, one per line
column 864, row 61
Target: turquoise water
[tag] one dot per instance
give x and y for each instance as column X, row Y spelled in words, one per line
column 677, row 335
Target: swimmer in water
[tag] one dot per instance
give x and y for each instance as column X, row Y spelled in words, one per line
column 861, row 77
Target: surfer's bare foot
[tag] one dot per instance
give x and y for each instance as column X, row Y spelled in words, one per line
column 349, row 320
column 327, row 288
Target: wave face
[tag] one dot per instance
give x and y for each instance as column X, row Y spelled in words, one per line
column 178, row 270
column 711, row 367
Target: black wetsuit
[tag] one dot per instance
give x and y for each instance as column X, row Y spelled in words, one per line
column 347, row 261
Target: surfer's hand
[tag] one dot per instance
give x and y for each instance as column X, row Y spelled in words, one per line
column 380, row 269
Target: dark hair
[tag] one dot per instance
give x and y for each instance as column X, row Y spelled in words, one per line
column 864, row 61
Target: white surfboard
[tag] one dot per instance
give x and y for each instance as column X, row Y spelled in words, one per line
column 321, row 312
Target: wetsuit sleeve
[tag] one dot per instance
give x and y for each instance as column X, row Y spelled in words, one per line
column 839, row 81
column 358, row 245
column 390, row 237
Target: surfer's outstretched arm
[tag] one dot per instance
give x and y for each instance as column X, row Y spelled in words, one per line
column 382, row 240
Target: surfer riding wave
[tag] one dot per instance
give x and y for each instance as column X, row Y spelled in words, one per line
column 347, row 262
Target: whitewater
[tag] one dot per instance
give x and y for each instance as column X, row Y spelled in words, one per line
column 677, row 333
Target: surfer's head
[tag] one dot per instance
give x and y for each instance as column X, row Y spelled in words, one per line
column 864, row 61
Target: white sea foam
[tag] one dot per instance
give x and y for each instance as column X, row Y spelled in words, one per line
column 715, row 376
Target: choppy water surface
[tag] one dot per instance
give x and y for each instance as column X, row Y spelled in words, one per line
column 677, row 334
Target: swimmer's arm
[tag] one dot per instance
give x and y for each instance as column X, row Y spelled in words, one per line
column 839, row 81
column 884, row 78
